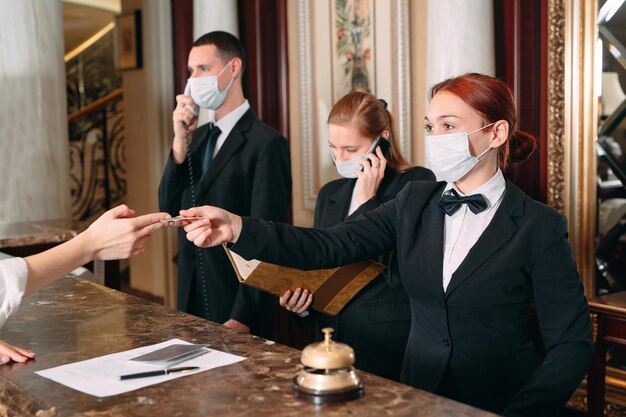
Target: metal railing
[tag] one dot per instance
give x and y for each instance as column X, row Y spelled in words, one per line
column 97, row 156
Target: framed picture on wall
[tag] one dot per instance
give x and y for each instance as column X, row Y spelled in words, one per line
column 128, row 43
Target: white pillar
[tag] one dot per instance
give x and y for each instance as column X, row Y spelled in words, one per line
column 210, row 15
column 34, row 149
column 460, row 37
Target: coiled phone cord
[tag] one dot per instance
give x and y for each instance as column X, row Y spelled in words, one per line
column 199, row 251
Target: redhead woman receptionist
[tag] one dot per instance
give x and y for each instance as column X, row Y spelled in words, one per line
column 376, row 322
column 114, row 235
column 474, row 254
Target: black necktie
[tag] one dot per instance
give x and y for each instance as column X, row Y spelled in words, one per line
column 451, row 202
column 214, row 132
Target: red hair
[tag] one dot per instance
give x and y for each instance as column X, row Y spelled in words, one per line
column 493, row 100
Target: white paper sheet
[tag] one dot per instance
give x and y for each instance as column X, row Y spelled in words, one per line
column 101, row 376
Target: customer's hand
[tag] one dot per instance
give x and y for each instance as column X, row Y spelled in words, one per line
column 297, row 302
column 118, row 235
column 10, row 353
column 218, row 226
column 371, row 176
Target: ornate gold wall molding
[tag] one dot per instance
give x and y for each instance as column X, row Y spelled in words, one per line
column 572, row 120
column 586, row 189
column 556, row 105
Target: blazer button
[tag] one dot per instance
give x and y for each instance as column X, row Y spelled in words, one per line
column 446, row 342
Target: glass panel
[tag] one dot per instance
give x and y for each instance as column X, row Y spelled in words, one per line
column 611, row 248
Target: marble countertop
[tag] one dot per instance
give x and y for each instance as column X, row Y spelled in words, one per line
column 75, row 320
column 36, row 233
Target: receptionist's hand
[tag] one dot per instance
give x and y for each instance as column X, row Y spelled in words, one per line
column 218, row 226
column 371, row 176
column 236, row 325
column 10, row 353
column 298, row 302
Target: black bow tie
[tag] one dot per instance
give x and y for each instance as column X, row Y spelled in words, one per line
column 451, row 202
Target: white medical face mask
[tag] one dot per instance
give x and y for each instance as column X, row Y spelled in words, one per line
column 347, row 169
column 449, row 155
column 205, row 92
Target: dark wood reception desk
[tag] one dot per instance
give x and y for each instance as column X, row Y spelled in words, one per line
column 74, row 320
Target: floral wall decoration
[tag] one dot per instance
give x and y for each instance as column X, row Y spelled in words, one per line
column 353, row 32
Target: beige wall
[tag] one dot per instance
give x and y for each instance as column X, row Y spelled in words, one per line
column 301, row 216
column 148, row 101
column 418, row 23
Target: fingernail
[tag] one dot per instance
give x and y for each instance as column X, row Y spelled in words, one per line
column 5, row 359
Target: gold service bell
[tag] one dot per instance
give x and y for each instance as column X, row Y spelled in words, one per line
column 328, row 374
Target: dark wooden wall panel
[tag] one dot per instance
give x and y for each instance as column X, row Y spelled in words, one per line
column 263, row 31
column 521, row 61
column 182, row 40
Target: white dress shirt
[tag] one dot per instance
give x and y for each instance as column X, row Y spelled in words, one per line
column 13, row 274
column 353, row 203
column 227, row 123
column 463, row 228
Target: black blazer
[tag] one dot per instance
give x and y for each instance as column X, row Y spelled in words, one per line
column 376, row 322
column 250, row 176
column 478, row 329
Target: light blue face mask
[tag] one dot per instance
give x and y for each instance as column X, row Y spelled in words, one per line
column 205, row 92
column 449, row 155
column 348, row 169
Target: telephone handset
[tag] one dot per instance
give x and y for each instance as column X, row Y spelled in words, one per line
column 192, row 109
column 194, row 202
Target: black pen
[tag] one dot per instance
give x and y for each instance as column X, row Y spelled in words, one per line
column 159, row 372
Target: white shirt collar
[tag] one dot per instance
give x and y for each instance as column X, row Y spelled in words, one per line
column 228, row 122
column 492, row 190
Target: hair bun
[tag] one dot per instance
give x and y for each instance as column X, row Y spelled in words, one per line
column 521, row 146
column 383, row 102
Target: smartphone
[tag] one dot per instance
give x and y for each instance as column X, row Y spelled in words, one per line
column 383, row 144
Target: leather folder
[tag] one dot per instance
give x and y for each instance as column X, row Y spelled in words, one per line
column 331, row 288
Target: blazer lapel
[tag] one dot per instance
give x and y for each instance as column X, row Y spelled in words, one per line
column 433, row 223
column 199, row 139
column 234, row 140
column 196, row 151
column 340, row 203
column 501, row 228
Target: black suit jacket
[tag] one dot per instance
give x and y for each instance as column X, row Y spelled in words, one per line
column 250, row 176
column 478, row 328
column 376, row 322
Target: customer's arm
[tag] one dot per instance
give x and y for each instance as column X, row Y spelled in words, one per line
column 114, row 235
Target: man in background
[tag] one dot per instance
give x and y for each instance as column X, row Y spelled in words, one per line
column 237, row 163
